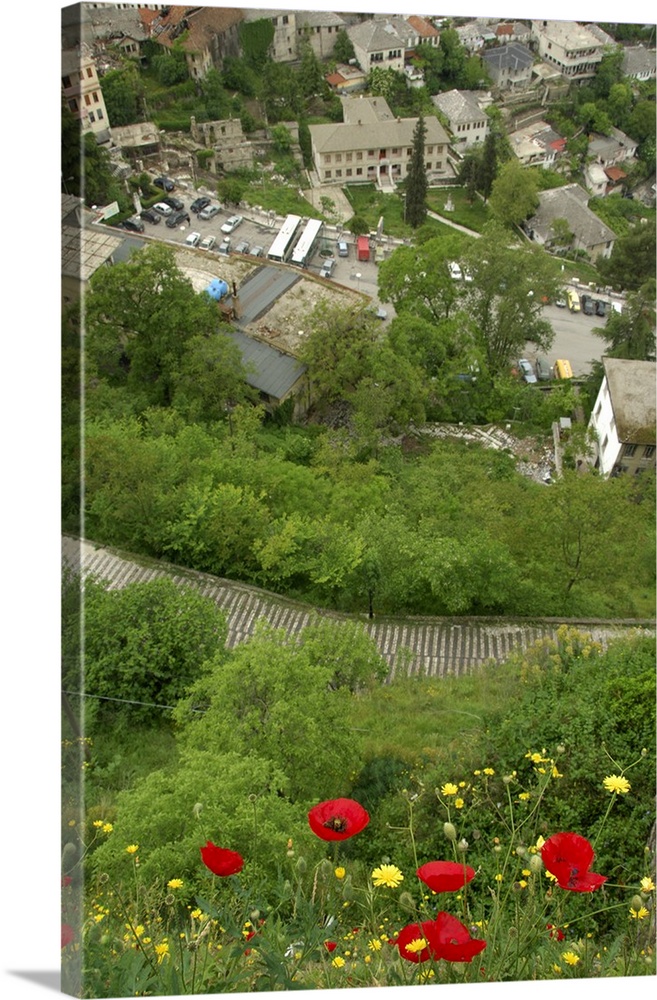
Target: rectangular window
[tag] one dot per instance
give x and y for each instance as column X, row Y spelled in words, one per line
column 370, row 153
column 90, row 72
column 100, row 114
column 359, row 156
column 338, row 173
column 95, row 97
column 359, row 171
column 349, row 157
column 429, row 149
column 629, row 450
column 395, row 151
column 649, row 451
column 338, row 157
column 66, row 80
column 327, row 158
column 327, row 175
column 428, row 166
column 349, row 171
column 87, row 99
column 73, row 104
column 92, row 117
column 285, row 19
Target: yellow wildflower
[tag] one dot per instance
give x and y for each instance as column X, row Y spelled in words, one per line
column 498, row 877
column 340, row 872
column 647, row 884
column 523, row 796
column 367, row 959
column 132, row 848
column 570, row 958
column 98, row 822
column 639, row 914
column 458, row 803
column 617, row 783
column 489, row 770
column 419, row 944
column 337, row 962
column 161, row 950
column 557, row 968
column 107, row 827
column 197, row 914
column 374, row 944
column 449, row 789
column 175, row 883
column 388, row 876
column 139, row 930
column 99, row 917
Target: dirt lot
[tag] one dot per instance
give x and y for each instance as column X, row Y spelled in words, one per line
column 285, row 324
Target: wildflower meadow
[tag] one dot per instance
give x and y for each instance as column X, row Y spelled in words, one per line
column 469, row 875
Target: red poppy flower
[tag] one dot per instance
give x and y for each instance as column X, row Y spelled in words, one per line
column 445, row 876
column 410, row 934
column 448, row 938
column 220, row 860
column 555, row 932
column 66, row 880
column 330, row 945
column 568, row 857
column 68, row 934
column 338, row 819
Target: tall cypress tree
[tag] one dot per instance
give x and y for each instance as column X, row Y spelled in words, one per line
column 416, row 180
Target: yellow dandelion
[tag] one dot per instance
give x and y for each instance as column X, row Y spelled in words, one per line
column 340, row 872
column 462, row 784
column 424, row 976
column 98, row 822
column 139, row 930
column 449, row 788
column 570, row 958
column 458, row 803
column 107, row 827
column 523, row 796
column 197, row 914
column 374, row 944
column 617, row 783
column 147, row 940
column 489, row 770
column 556, row 773
column 71, row 822
column 337, row 962
column 367, row 959
column 498, row 877
column 639, row 914
column 476, row 773
column 388, row 876
column 557, row 969
column 99, row 917
column 132, row 848
column 419, row 944
column 175, row 883
column 161, row 950
column 647, row 884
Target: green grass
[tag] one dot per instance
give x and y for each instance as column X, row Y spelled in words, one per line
column 279, row 198
column 370, row 204
column 473, row 216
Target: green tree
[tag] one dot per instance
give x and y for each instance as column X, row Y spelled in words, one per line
column 343, row 49
column 282, row 138
column 99, row 185
column 338, row 350
column 514, row 196
column 171, row 66
column 631, row 333
column 140, row 315
column 358, row 225
column 215, row 98
column 416, row 179
column 256, row 38
column 283, row 99
column 488, row 165
column 609, row 72
column 146, row 642
column 210, row 376
column 561, row 233
column 273, row 698
column 505, row 296
column 310, row 72
column 454, row 59
column 417, row 279
column 122, row 92
column 632, row 260
column 231, row 190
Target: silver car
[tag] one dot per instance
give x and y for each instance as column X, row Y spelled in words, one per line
column 209, row 212
column 231, row 224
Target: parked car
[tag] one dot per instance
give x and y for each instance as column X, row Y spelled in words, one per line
column 176, row 204
column 162, row 208
column 600, row 307
column 543, row 370
column 343, row 249
column 527, row 371
column 192, row 240
column 207, row 243
column 560, row 300
column 587, row 305
column 177, row 219
column 242, row 247
column 455, row 271
column 209, row 212
column 165, row 183
column 381, row 313
column 133, row 225
column 224, row 246
column 327, row 268
column 151, row 216
column 199, row 203
column 231, row 224
column 257, row 251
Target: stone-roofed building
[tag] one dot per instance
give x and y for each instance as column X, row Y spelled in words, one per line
column 377, row 43
column 371, row 145
column 623, row 418
column 571, row 203
column 320, row 28
column 426, row 32
column 82, row 91
column 513, row 31
column 346, row 79
column 610, row 150
column 207, row 34
column 83, row 250
column 468, row 123
column 573, row 48
column 100, row 25
column 639, row 62
column 537, row 145
column 509, row 66
column 476, row 34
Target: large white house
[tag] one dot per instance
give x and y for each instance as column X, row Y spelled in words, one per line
column 623, row 418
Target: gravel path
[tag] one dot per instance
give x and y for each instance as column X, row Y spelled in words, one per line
column 437, row 647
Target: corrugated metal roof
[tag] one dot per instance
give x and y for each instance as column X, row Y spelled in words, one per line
column 275, row 373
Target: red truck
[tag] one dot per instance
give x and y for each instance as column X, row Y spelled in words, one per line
column 363, row 248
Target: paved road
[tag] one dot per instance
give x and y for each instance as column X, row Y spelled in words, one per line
column 432, row 646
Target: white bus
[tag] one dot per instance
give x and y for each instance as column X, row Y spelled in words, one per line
column 305, row 248
column 281, row 248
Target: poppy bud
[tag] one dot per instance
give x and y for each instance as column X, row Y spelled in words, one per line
column 302, row 867
column 406, row 902
column 68, row 849
column 254, row 914
column 169, row 899
column 103, row 878
column 561, row 748
column 450, row 831
column 536, row 864
column 462, row 845
column 637, row 903
column 198, row 808
column 521, row 851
